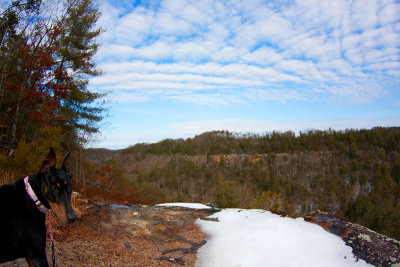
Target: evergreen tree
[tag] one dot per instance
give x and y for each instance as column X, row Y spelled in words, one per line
column 46, row 60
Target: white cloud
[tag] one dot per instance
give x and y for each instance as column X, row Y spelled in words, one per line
column 200, row 45
column 116, row 52
column 242, row 126
column 280, row 95
column 355, row 56
column 119, row 140
column 263, row 56
column 351, row 41
column 209, row 71
column 306, row 69
column 228, row 54
column 215, row 99
column 358, row 91
column 389, row 13
column 272, row 28
column 129, row 97
column 207, row 82
column 339, row 66
column 364, row 14
column 395, row 73
column 249, row 53
column 193, row 51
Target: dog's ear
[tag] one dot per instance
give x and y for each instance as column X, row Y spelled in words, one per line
column 49, row 162
column 65, row 165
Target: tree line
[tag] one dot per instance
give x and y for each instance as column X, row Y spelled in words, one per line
column 225, row 142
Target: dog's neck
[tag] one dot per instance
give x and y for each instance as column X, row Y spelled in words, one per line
column 34, row 191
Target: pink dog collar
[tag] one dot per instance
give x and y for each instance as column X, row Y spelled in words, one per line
column 33, row 196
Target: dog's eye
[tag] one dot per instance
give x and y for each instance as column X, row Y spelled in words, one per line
column 53, row 187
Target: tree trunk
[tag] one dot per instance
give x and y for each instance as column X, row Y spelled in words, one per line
column 14, row 125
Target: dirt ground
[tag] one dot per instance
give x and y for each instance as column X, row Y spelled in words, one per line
column 127, row 235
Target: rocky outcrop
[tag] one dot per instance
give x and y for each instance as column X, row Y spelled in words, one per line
column 374, row 248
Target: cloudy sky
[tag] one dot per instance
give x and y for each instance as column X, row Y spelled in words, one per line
column 177, row 68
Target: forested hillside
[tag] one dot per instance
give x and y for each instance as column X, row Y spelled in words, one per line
column 354, row 174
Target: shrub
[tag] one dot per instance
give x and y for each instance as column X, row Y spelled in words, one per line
column 227, row 193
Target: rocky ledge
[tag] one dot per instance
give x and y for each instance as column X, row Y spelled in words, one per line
column 374, row 248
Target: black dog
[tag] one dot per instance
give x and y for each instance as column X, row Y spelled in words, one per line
column 23, row 206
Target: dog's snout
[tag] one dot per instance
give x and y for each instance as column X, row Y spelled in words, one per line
column 71, row 216
column 72, row 219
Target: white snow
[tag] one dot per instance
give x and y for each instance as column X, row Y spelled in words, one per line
column 259, row 238
column 198, row 206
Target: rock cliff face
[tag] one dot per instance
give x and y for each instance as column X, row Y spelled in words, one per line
column 137, row 235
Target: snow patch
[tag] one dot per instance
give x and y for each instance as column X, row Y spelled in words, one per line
column 198, row 206
column 259, row 238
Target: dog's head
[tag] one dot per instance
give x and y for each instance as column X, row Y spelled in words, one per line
column 56, row 187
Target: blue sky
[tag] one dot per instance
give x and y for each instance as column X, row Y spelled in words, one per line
column 177, row 68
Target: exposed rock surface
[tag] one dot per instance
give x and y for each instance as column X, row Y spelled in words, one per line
column 374, row 248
